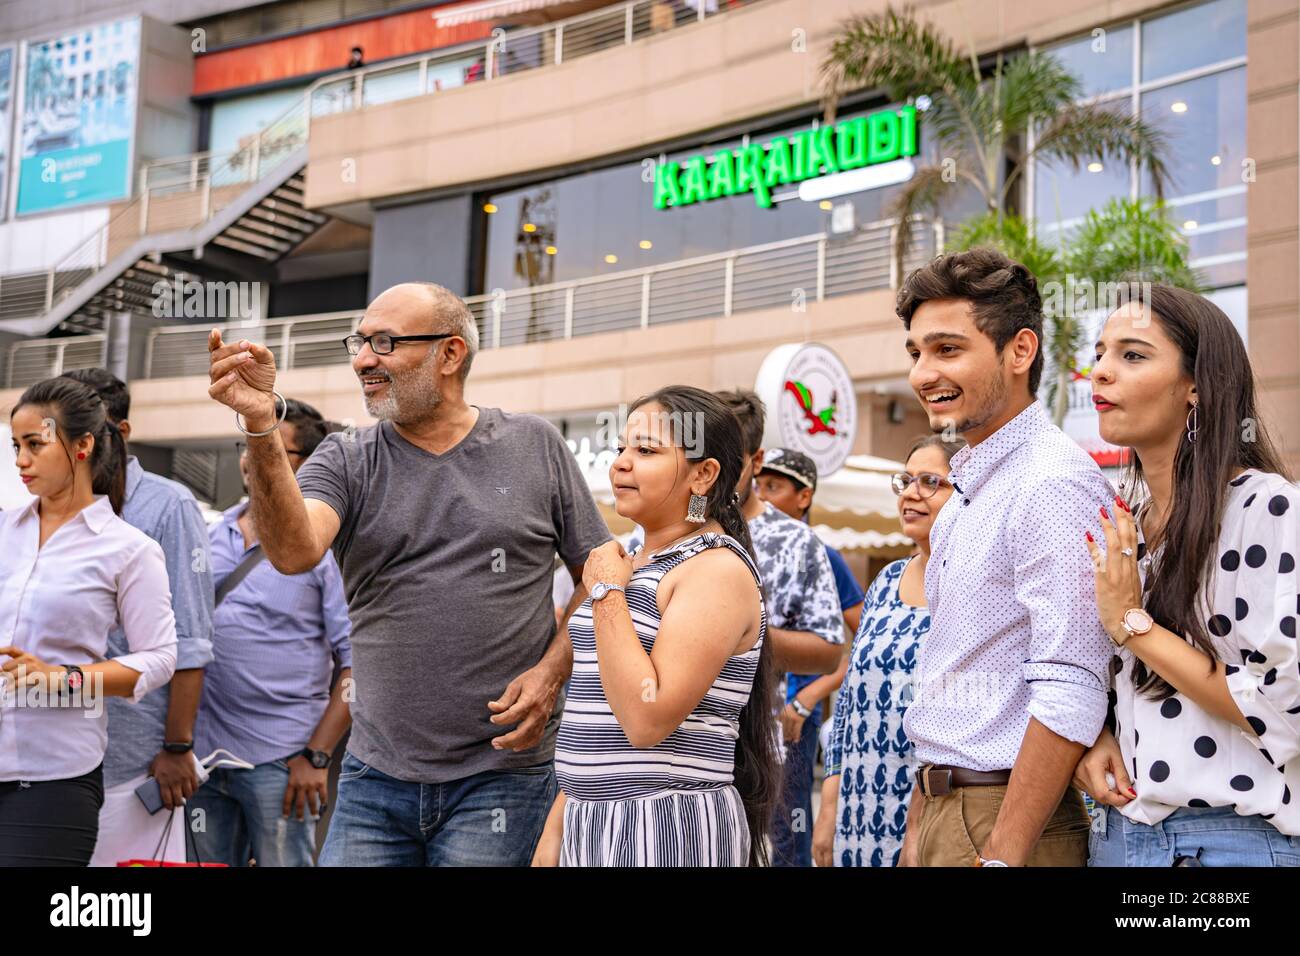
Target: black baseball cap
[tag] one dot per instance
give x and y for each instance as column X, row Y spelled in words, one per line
column 793, row 464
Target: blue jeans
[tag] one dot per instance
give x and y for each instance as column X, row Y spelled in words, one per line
column 493, row 818
column 793, row 821
column 1217, row 836
column 242, row 816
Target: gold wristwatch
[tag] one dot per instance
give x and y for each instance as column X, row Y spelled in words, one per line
column 1135, row 621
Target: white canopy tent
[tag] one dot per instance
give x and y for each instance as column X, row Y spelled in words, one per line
column 854, row 509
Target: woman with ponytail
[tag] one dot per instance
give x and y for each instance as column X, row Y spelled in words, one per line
column 666, row 755
column 1197, row 585
column 70, row 569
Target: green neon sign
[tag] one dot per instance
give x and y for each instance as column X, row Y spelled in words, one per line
column 879, row 137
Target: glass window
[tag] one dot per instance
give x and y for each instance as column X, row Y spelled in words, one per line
column 1103, row 63
column 1063, row 195
column 605, row 221
column 1195, row 36
column 1206, row 125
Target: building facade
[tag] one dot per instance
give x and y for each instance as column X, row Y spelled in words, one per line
column 556, row 165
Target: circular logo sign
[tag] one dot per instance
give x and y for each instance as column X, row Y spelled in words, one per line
column 811, row 404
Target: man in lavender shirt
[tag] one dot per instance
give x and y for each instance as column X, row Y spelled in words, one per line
column 279, row 641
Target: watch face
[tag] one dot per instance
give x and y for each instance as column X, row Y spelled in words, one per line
column 1138, row 621
column 75, row 679
column 599, row 591
column 320, row 759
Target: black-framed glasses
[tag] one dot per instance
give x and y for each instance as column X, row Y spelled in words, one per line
column 381, row 343
column 926, row 483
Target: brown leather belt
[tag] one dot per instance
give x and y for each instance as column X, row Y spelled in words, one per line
column 938, row 780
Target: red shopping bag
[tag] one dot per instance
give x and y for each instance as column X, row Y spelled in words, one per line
column 156, row 861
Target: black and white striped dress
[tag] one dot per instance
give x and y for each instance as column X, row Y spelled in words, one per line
column 672, row 804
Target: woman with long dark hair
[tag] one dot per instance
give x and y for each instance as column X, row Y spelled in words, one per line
column 1203, row 763
column 70, row 569
column 666, row 755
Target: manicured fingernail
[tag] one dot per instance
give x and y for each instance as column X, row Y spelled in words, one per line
column 1088, row 535
column 1104, row 514
column 1132, row 791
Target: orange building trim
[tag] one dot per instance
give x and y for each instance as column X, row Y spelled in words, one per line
column 319, row 51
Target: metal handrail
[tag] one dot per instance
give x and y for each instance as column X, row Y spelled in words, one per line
column 57, row 348
column 812, row 268
column 634, row 20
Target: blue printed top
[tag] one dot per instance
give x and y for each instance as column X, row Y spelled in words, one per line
column 867, row 745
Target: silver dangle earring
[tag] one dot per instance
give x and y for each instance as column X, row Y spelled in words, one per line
column 1193, row 424
column 695, row 509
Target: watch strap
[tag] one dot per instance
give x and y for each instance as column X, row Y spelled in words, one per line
column 799, row 708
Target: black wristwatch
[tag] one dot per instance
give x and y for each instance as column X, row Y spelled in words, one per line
column 320, row 759
column 178, row 748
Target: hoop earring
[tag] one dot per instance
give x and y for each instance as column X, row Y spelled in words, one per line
column 695, row 509
column 1193, row 424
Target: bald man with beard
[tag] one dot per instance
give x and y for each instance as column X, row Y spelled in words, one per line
column 445, row 518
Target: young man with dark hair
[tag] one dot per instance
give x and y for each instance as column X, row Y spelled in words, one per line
column 1012, row 685
column 155, row 736
column 803, row 609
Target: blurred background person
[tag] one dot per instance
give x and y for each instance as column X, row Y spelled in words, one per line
column 869, row 765
column 788, row 481
column 806, row 627
column 272, row 697
column 70, row 541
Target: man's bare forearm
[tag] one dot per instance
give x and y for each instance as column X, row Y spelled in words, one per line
column 559, row 654
column 277, row 509
column 803, row 652
column 183, row 705
column 1041, row 773
column 337, row 716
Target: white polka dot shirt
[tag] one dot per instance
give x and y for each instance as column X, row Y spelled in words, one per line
column 1014, row 630
column 1182, row 756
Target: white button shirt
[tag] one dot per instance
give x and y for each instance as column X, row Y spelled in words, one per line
column 1014, row 629
column 60, row 602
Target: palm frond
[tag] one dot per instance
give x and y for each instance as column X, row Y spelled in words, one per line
column 1080, row 133
column 896, row 53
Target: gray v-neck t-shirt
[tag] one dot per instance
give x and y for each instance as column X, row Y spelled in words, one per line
column 447, row 565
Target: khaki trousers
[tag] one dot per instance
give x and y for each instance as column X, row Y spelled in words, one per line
column 953, row 826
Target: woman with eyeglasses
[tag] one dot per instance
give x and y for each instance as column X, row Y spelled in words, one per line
column 868, row 761
column 1202, row 764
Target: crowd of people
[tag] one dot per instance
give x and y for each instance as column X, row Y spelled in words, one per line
column 1051, row 636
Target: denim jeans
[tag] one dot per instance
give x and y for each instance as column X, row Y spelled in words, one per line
column 1216, row 836
column 793, row 821
column 493, row 818
column 243, row 817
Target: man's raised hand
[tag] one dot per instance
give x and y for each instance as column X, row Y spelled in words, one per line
column 243, row 375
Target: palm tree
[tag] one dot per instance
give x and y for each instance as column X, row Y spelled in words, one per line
column 1125, row 241
column 980, row 122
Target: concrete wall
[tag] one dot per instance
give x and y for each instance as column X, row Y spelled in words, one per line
column 1273, row 214
column 728, row 69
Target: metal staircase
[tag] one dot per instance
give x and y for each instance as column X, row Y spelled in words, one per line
column 203, row 217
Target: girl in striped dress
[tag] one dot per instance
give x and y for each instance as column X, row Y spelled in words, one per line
column 666, row 754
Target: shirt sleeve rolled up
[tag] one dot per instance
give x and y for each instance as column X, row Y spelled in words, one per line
column 1068, row 649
